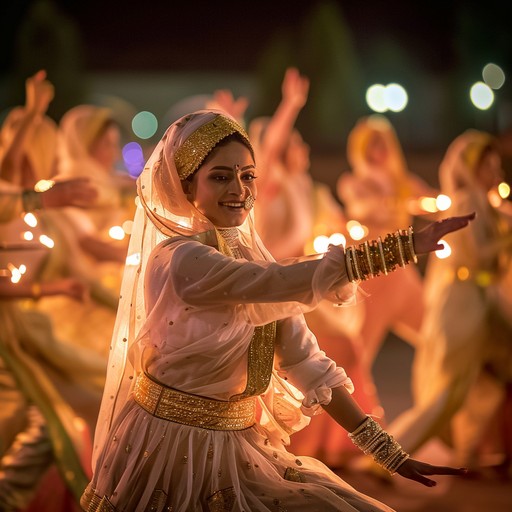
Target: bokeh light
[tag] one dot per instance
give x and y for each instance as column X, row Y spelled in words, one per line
column 381, row 98
column 504, row 190
column 321, row 244
column 133, row 158
column 15, row 273
column 47, row 241
column 375, row 98
column 144, row 124
column 356, row 230
column 445, row 252
column 128, row 226
column 463, row 273
column 133, row 259
column 493, row 76
column 43, row 185
column 30, row 219
column 28, row 235
column 116, row 232
column 395, row 97
column 337, row 239
column 428, row 204
column 443, row 202
column 481, row 95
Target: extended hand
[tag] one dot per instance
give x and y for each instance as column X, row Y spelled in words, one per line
column 39, row 93
column 416, row 470
column 427, row 239
column 224, row 99
column 71, row 192
column 295, row 88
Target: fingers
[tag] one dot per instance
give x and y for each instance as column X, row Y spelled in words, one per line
column 425, row 481
column 446, row 470
column 419, row 471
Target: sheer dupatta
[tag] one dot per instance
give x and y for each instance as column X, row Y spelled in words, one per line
column 163, row 211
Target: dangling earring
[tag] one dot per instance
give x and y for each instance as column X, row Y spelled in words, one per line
column 249, row 200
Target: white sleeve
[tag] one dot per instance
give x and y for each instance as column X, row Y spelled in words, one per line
column 202, row 276
column 299, row 360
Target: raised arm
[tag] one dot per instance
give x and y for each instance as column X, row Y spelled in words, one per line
column 39, row 94
column 295, row 89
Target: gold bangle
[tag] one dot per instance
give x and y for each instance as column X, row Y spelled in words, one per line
column 376, row 257
column 35, row 289
column 373, row 440
column 401, row 252
column 348, row 264
column 410, row 233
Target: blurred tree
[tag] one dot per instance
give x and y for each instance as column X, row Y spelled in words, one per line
column 321, row 48
column 48, row 39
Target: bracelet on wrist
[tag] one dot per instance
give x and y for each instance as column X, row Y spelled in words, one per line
column 376, row 257
column 373, row 440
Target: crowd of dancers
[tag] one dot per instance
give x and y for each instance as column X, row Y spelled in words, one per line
column 61, row 272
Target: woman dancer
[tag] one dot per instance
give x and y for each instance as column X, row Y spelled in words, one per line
column 211, row 349
column 380, row 193
column 463, row 369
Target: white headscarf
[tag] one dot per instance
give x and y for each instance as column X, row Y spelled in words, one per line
column 163, row 211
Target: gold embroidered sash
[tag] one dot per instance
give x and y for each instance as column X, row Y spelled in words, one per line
column 193, row 410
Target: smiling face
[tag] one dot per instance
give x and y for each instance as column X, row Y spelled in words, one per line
column 220, row 186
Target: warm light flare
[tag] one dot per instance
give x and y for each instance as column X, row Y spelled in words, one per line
column 356, row 230
column 133, row 259
column 15, row 273
column 321, row 244
column 116, row 232
column 494, row 198
column 128, row 226
column 47, row 241
column 43, row 185
column 463, row 273
column 445, row 251
column 443, row 202
column 28, row 235
column 337, row 239
column 30, row 219
column 428, row 204
column 504, row 190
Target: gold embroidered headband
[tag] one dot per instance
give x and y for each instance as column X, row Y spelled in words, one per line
column 191, row 154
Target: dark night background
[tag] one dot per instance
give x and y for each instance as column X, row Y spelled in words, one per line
column 125, row 49
column 151, row 55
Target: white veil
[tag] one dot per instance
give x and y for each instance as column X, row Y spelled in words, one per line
column 162, row 211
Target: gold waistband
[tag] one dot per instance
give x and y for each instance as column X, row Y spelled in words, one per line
column 196, row 411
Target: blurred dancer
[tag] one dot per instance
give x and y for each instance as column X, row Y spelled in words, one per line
column 380, row 193
column 463, row 368
column 48, row 387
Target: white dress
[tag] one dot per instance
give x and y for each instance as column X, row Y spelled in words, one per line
column 202, row 309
